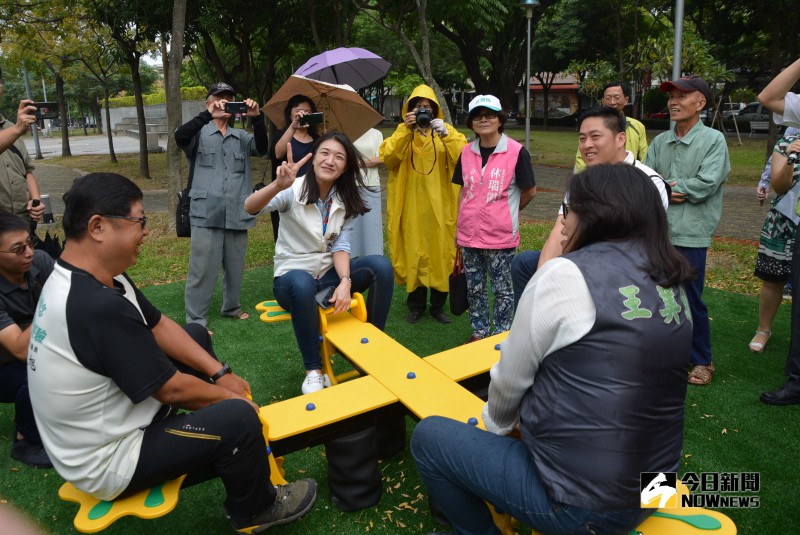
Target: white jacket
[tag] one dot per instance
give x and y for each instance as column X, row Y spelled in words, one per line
column 301, row 244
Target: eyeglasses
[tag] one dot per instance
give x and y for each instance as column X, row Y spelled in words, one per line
column 20, row 248
column 141, row 220
column 488, row 115
column 564, row 209
column 613, row 98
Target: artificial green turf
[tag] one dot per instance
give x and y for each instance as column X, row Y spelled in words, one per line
column 727, row 428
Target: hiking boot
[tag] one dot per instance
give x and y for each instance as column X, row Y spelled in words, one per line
column 293, row 501
column 31, row 454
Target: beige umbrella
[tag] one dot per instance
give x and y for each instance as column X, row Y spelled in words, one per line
column 344, row 109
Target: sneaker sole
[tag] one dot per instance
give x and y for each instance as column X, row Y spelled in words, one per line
column 264, row 527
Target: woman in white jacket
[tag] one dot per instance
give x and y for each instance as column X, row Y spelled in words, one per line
column 312, row 253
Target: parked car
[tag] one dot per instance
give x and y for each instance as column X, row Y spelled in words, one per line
column 663, row 114
column 731, row 109
column 753, row 112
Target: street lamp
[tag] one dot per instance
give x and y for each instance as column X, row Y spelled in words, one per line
column 528, row 5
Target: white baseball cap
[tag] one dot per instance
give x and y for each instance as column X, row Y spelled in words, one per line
column 485, row 101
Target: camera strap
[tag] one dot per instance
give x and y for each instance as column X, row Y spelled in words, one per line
column 433, row 141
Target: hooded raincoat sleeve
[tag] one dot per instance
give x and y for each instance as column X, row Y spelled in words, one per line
column 422, row 201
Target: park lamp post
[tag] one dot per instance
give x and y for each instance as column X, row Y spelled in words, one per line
column 528, row 5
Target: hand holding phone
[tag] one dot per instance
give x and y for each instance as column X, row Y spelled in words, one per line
column 323, row 297
column 235, row 107
column 312, row 118
column 46, row 110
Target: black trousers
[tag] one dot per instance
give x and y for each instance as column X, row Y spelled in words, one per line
column 416, row 299
column 222, row 440
column 793, row 359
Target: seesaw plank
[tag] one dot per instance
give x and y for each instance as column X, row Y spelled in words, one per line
column 345, row 400
column 430, row 392
column 469, row 360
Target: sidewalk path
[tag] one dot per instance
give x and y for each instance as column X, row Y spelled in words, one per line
column 742, row 217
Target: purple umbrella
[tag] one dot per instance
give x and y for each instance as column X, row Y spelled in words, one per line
column 355, row 67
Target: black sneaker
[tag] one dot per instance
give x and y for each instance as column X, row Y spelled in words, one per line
column 293, row 501
column 31, row 454
column 414, row 316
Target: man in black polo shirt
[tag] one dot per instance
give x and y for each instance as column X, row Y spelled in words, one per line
column 22, row 274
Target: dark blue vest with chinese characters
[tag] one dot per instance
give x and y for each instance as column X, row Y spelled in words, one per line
column 610, row 406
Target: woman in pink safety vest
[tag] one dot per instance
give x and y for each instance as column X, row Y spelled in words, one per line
column 496, row 179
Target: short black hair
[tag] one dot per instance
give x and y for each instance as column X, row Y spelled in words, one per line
column 618, row 202
column 626, row 90
column 612, row 118
column 97, row 194
column 10, row 223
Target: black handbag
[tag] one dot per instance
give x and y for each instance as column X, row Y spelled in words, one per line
column 458, row 286
column 183, row 225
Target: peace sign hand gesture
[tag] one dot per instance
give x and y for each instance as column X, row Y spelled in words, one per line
column 287, row 172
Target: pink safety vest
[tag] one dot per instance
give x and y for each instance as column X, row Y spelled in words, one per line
column 488, row 217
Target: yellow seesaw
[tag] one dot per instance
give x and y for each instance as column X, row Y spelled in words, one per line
column 394, row 374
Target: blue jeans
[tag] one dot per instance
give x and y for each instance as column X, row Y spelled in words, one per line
column 523, row 268
column 701, row 328
column 296, row 289
column 464, row 466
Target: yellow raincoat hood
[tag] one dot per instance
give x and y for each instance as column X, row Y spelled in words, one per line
column 422, row 201
column 423, row 91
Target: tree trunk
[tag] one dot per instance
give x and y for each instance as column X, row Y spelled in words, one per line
column 144, row 165
column 62, row 112
column 98, row 121
column 174, row 103
column 83, row 120
column 427, row 72
column 108, row 123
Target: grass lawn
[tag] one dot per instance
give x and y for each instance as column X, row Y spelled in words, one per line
column 727, row 429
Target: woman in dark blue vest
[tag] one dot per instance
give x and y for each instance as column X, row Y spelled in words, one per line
column 589, row 390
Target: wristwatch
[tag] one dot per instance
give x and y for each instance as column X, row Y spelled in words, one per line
column 225, row 370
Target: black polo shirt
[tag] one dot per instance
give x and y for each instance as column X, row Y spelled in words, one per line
column 18, row 304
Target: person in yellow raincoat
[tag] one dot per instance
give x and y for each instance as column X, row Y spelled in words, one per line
column 422, row 202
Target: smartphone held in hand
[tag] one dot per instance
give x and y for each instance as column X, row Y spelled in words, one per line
column 235, row 107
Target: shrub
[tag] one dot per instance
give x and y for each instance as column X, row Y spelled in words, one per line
column 159, row 97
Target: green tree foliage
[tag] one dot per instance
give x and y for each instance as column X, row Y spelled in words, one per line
column 559, row 35
column 134, row 26
column 250, row 45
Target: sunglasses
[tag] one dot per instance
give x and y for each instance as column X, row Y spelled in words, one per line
column 20, row 248
column 488, row 115
column 564, row 209
column 141, row 220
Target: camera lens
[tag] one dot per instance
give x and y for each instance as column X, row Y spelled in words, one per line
column 424, row 117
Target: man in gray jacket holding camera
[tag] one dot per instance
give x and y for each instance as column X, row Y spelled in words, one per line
column 220, row 156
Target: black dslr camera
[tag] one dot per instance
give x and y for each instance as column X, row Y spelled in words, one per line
column 424, row 117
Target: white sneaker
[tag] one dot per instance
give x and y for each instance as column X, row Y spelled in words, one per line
column 314, row 382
